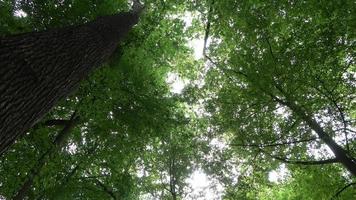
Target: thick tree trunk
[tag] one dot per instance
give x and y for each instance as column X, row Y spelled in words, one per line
column 39, row 68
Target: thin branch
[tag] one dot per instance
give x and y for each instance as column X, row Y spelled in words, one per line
column 299, row 162
column 62, row 135
column 343, row 189
column 207, row 29
column 211, row 60
column 225, row 70
column 276, row 144
column 271, row 51
column 312, row 162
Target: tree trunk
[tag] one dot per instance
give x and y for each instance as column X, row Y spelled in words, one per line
column 37, row 69
column 341, row 154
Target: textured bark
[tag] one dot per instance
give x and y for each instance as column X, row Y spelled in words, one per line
column 37, row 69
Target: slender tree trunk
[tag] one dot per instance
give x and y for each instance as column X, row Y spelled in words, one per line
column 341, row 154
column 37, row 69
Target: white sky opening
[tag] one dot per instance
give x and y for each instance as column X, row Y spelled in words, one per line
column 203, row 187
column 198, row 180
column 20, row 13
column 279, row 175
column 197, row 44
column 72, row 148
column 176, row 83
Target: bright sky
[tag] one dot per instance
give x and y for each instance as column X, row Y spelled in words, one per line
column 175, row 82
column 279, row 174
column 197, row 45
column 204, row 188
column 20, row 13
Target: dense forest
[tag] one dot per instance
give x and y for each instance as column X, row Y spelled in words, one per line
column 170, row 99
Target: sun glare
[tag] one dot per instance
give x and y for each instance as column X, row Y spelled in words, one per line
column 203, row 187
column 20, row 13
column 278, row 175
column 176, row 83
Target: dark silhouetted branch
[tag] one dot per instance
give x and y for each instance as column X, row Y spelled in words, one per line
column 276, row 144
column 137, row 6
column 343, row 189
column 207, row 29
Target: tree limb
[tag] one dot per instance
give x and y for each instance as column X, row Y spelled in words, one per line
column 330, row 96
column 207, row 29
column 298, row 162
column 276, row 144
column 137, row 6
column 341, row 154
column 312, row 162
column 343, row 189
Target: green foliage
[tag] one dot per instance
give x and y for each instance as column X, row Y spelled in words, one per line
column 137, row 140
column 269, row 53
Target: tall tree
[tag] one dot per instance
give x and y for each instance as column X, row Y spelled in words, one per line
column 40, row 68
column 286, row 78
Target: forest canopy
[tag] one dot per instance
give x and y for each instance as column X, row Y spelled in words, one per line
column 211, row 99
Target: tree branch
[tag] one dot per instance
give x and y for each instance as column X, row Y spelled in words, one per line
column 276, row 144
column 330, row 96
column 298, row 162
column 343, row 189
column 271, row 51
column 312, row 162
column 207, row 29
column 137, row 6
column 341, row 154
column 62, row 135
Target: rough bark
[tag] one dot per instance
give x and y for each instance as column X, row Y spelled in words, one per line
column 37, row 69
